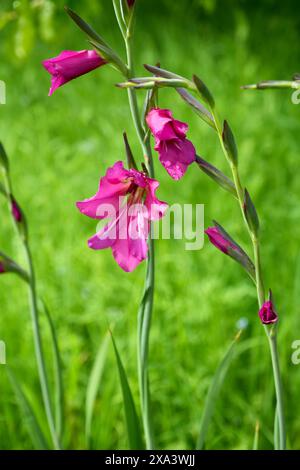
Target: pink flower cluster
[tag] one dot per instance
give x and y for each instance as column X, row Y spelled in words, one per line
column 127, row 196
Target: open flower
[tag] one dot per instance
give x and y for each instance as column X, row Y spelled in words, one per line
column 71, row 64
column 267, row 313
column 176, row 152
column 128, row 199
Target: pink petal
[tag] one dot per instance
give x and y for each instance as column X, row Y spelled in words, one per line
column 156, row 208
column 113, row 186
column 160, row 124
column 176, row 156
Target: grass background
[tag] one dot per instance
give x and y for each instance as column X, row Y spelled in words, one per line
column 60, row 146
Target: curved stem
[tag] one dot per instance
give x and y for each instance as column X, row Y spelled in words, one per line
column 35, row 320
column 271, row 334
column 38, row 348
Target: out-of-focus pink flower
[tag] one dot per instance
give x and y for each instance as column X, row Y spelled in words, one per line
column 2, row 269
column 128, row 198
column 16, row 211
column 176, row 152
column 267, row 313
column 217, row 239
column 71, row 64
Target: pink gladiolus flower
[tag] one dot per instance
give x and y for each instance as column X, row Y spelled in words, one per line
column 267, row 313
column 217, row 239
column 16, row 211
column 128, row 198
column 71, row 64
column 176, row 152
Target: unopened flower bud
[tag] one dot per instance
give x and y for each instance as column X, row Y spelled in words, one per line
column 16, row 211
column 267, row 313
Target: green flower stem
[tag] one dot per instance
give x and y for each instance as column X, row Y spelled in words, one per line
column 39, row 349
column 35, row 320
column 146, row 307
column 271, row 333
column 145, row 312
column 272, row 336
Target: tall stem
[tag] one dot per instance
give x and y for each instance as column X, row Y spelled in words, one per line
column 146, row 307
column 35, row 320
column 39, row 349
column 271, row 334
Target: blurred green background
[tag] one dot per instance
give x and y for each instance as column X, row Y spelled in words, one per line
column 60, row 146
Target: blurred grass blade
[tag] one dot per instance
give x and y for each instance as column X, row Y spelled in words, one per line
column 256, row 436
column 2, row 190
column 57, row 365
column 132, row 420
column 93, row 386
column 35, row 432
column 276, row 431
column 214, row 391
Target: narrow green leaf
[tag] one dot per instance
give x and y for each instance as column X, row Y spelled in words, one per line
column 214, row 391
column 129, row 155
column 30, row 420
column 204, row 91
column 132, row 420
column 198, row 107
column 159, row 72
column 256, row 436
column 11, row 267
column 217, row 175
column 276, row 431
column 57, row 363
column 3, row 158
column 229, row 143
column 93, row 387
column 85, row 27
column 111, row 56
column 251, row 214
column 2, row 190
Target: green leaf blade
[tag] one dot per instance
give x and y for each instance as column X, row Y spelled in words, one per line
column 132, row 420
